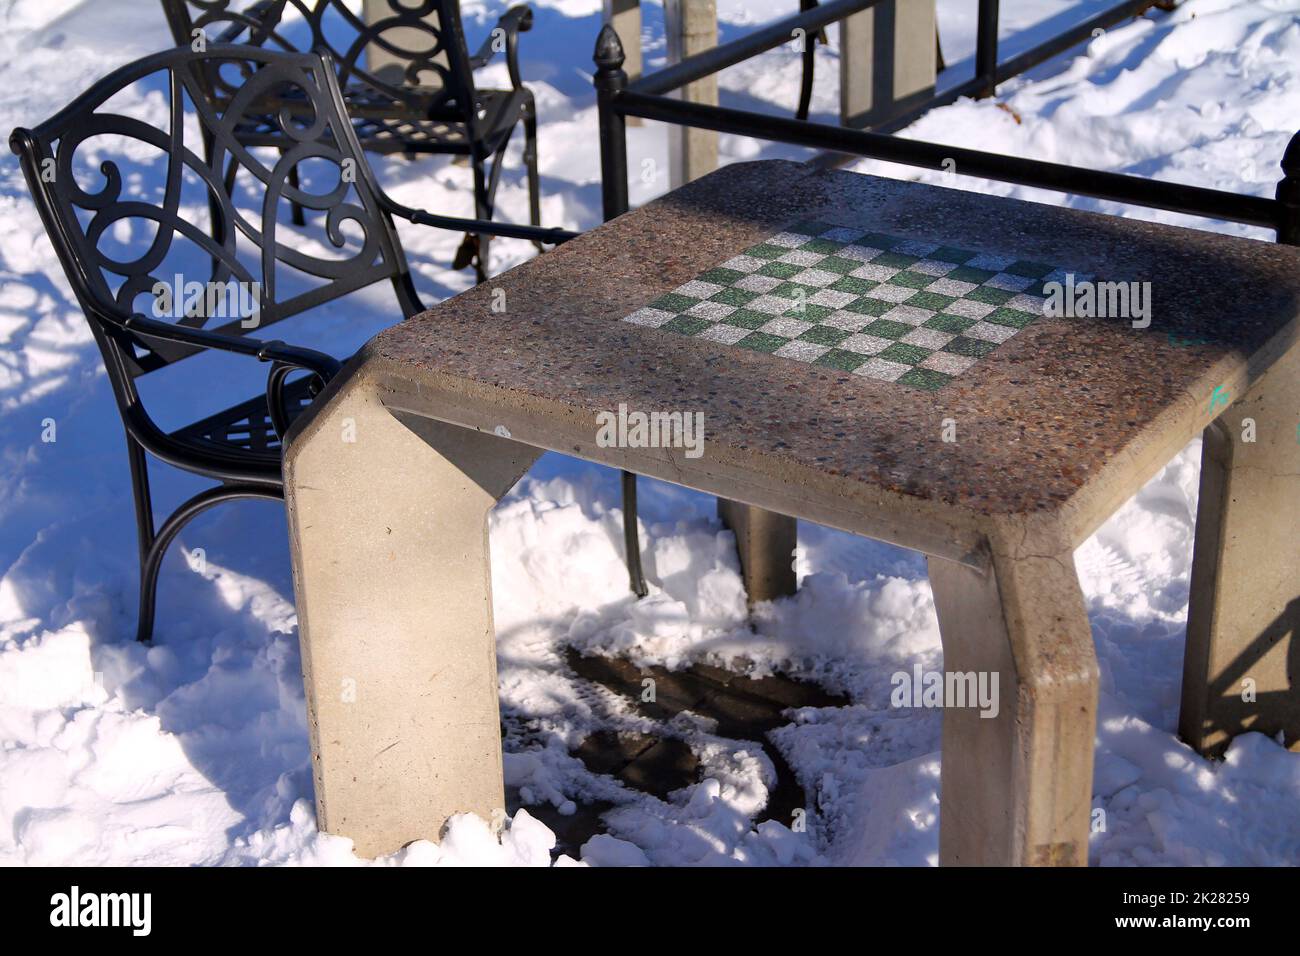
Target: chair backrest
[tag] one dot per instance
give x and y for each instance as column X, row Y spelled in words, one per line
column 150, row 193
column 405, row 54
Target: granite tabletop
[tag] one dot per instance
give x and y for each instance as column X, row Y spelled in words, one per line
column 930, row 343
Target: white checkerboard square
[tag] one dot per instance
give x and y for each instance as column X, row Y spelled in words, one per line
column 802, row 351
column 786, row 327
column 891, row 293
column 865, row 344
column 882, row 369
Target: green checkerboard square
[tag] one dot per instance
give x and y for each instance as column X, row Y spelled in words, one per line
column 853, row 285
column 878, row 240
column 838, row 264
column 808, row 312
column 747, row 319
column 974, row 348
column 811, row 227
column 888, row 329
column 925, row 378
column 840, row 359
column 721, row 276
column 948, row 323
column 934, row 301
column 951, row 254
column 912, row 280
column 989, row 295
column 824, row 335
column 674, row 302
column 866, row 306
column 686, row 325
column 1030, row 270
column 792, row 289
column 967, row 274
column 896, row 260
column 1012, row 318
column 779, row 270
column 824, row 246
column 762, row 342
column 733, row 296
column 907, row 354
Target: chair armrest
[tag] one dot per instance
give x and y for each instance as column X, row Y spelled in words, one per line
column 284, row 359
column 259, row 16
column 550, row 237
column 518, row 19
column 310, row 360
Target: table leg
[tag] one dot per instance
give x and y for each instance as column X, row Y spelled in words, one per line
column 1241, row 668
column 388, row 530
column 1017, row 787
column 765, row 542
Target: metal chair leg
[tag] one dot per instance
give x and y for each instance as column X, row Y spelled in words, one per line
column 152, row 560
column 143, row 500
column 631, row 539
column 482, row 210
column 530, row 164
column 809, row 63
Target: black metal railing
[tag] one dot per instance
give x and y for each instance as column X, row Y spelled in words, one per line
column 617, row 98
column 647, row 98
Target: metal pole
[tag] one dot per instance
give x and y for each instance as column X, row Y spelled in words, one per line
column 986, row 46
column 1153, row 193
column 610, row 80
column 1288, row 195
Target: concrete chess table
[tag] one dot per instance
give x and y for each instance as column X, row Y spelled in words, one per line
column 866, row 353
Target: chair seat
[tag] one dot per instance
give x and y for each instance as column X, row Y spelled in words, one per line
column 385, row 126
column 246, row 427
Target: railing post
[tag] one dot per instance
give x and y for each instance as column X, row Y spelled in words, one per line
column 692, row 27
column 887, row 61
column 610, row 80
column 986, row 46
column 625, row 17
column 1288, row 195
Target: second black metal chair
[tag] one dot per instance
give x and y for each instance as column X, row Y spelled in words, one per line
column 407, row 78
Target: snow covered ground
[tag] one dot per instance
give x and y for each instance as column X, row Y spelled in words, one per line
column 194, row 750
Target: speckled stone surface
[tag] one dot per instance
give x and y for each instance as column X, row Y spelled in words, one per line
column 1051, row 410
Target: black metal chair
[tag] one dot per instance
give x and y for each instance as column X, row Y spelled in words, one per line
column 407, row 79
column 85, row 199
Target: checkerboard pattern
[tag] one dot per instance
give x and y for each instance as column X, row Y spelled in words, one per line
column 891, row 309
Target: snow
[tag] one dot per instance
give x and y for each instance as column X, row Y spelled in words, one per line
column 194, row 751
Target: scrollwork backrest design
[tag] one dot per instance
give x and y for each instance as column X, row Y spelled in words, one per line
column 413, row 52
column 404, row 54
column 202, row 190
column 196, row 23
